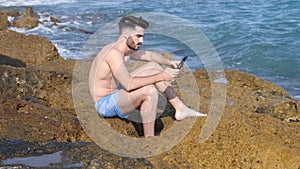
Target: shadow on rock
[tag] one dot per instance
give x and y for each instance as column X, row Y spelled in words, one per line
column 5, row 60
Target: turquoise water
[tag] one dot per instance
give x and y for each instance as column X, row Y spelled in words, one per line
column 259, row 37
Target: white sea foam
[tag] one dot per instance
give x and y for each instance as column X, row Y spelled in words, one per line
column 33, row 2
column 40, row 29
column 20, row 30
column 10, row 19
column 63, row 52
column 35, row 31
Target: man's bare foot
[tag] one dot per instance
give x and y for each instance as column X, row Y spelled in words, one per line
column 187, row 112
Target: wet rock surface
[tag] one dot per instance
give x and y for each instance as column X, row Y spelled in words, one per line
column 259, row 127
column 21, row 154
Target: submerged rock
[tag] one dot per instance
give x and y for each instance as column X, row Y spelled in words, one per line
column 29, row 19
column 26, row 22
column 29, row 12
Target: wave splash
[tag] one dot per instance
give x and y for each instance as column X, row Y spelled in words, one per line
column 8, row 3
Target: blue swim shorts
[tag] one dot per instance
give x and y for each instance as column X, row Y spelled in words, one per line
column 107, row 106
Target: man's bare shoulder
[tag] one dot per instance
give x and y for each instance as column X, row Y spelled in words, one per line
column 114, row 55
column 107, row 52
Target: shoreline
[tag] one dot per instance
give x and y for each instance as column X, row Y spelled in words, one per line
column 254, row 60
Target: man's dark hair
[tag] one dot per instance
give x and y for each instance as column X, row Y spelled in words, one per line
column 132, row 22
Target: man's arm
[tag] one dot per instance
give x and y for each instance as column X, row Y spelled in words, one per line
column 151, row 56
column 122, row 74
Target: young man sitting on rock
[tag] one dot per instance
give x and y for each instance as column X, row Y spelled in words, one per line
column 117, row 92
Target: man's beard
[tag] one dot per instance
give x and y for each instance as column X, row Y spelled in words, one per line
column 131, row 45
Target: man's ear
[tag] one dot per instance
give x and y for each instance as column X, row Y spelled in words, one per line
column 125, row 33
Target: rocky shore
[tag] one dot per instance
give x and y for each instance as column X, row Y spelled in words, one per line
column 39, row 127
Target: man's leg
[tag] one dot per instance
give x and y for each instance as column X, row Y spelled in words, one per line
column 146, row 98
column 182, row 111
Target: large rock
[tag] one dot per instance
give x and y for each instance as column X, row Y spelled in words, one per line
column 26, row 22
column 29, row 12
column 33, row 50
column 35, row 69
column 29, row 19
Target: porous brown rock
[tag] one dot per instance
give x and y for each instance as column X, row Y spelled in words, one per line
column 33, row 50
column 26, row 22
column 4, row 23
column 26, row 119
column 31, row 66
column 12, row 13
column 50, row 88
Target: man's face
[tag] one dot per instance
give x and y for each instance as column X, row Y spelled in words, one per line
column 136, row 38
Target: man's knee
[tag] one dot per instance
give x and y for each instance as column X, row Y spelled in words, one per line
column 155, row 65
column 150, row 90
column 147, row 69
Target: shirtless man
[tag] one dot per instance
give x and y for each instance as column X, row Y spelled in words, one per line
column 117, row 92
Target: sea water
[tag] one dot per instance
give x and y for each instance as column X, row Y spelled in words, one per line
column 255, row 36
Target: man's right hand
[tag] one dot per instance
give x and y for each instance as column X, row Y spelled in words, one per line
column 171, row 73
